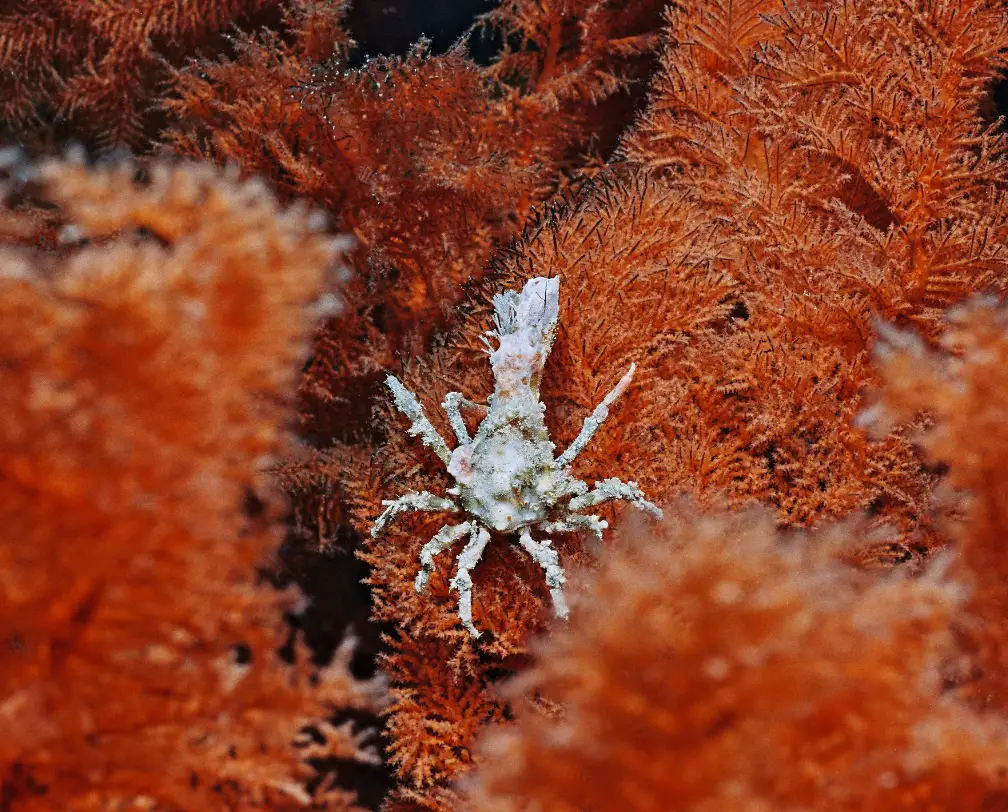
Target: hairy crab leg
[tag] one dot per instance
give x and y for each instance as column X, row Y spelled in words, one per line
column 407, row 403
column 414, row 500
column 595, row 419
column 547, row 558
column 452, row 406
column 462, row 581
column 442, row 540
column 610, row 490
column 573, row 523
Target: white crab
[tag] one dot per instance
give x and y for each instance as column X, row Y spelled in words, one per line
column 507, row 478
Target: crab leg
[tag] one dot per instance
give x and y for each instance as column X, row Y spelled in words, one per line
column 610, row 490
column 407, row 403
column 414, row 500
column 547, row 558
column 442, row 540
column 572, row 523
column 595, row 419
column 452, row 404
column 462, row 581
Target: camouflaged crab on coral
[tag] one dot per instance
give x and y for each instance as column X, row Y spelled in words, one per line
column 507, row 479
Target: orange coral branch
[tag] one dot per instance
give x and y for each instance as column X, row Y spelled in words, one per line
column 146, row 370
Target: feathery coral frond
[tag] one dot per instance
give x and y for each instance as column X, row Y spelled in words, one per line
column 94, row 70
column 148, row 364
column 430, row 161
column 798, row 170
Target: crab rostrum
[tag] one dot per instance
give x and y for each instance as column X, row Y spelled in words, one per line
column 507, row 479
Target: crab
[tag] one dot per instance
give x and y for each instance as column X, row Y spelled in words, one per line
column 506, row 477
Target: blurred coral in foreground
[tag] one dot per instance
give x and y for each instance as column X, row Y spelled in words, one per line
column 962, row 389
column 716, row 665
column 148, row 366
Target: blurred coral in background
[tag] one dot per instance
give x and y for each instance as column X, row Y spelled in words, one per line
column 790, row 217
column 93, row 70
